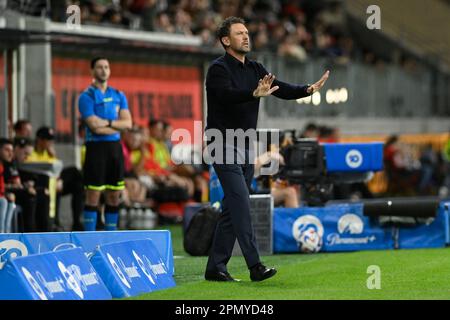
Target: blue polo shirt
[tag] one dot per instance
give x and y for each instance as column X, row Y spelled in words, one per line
column 93, row 102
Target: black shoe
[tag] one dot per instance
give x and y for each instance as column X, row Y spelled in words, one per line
column 219, row 276
column 260, row 272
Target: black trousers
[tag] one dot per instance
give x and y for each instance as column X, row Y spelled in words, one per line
column 27, row 217
column 72, row 185
column 234, row 221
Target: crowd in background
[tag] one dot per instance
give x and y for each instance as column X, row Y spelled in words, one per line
column 294, row 29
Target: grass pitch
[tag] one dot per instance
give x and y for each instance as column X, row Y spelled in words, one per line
column 404, row 274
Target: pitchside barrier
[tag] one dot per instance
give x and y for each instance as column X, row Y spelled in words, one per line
column 345, row 227
column 16, row 245
column 60, row 275
column 84, row 265
column 131, row 268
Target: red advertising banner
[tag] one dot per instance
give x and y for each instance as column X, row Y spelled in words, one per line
column 170, row 93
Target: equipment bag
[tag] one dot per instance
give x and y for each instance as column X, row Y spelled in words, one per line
column 200, row 232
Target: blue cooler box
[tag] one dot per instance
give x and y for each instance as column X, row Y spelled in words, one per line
column 353, row 157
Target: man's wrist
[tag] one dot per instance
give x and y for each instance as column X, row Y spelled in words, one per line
column 110, row 123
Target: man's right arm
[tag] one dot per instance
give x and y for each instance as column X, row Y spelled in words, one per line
column 218, row 83
column 96, row 124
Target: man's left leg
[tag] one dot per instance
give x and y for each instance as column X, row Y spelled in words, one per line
column 258, row 272
column 112, row 209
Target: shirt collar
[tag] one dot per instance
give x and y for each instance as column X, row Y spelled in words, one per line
column 235, row 61
column 97, row 89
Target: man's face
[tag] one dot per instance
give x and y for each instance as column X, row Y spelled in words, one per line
column 238, row 40
column 21, row 154
column 7, row 152
column 157, row 131
column 101, row 71
column 26, row 131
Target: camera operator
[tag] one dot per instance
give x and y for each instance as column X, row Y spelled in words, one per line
column 284, row 194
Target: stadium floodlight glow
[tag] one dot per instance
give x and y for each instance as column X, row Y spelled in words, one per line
column 336, row 96
column 306, row 100
column 343, row 95
column 330, row 96
column 316, row 98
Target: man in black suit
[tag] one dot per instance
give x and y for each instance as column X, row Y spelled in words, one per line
column 234, row 86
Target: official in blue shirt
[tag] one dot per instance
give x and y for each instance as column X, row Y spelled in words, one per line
column 105, row 112
column 234, row 86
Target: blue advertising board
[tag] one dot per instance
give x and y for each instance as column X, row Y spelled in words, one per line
column 340, row 227
column 356, row 157
column 61, row 275
column 90, row 241
column 131, row 268
column 16, row 245
column 343, row 227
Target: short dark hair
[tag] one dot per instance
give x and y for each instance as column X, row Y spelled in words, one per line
column 311, row 126
column 224, row 28
column 5, row 141
column 20, row 124
column 95, row 60
column 154, row 122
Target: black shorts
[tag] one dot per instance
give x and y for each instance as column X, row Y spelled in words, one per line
column 104, row 166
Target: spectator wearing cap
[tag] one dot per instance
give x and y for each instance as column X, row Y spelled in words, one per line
column 23, row 148
column 44, row 148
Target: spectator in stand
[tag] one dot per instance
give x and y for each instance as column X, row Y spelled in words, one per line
column 133, row 149
column 168, row 135
column 23, row 129
column 284, row 194
column 291, row 48
column 428, row 167
column 146, row 9
column 23, row 190
column 311, row 131
column 163, row 23
column 158, row 163
column 7, row 205
column 401, row 179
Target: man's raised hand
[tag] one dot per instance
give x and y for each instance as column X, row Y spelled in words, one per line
column 319, row 84
column 264, row 86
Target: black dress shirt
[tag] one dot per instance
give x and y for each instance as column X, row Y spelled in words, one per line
column 229, row 87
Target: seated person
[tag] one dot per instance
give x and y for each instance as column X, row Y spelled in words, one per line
column 156, row 162
column 7, row 205
column 133, row 148
column 283, row 193
column 70, row 181
column 23, row 190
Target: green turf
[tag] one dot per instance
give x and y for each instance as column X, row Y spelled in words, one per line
column 405, row 274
